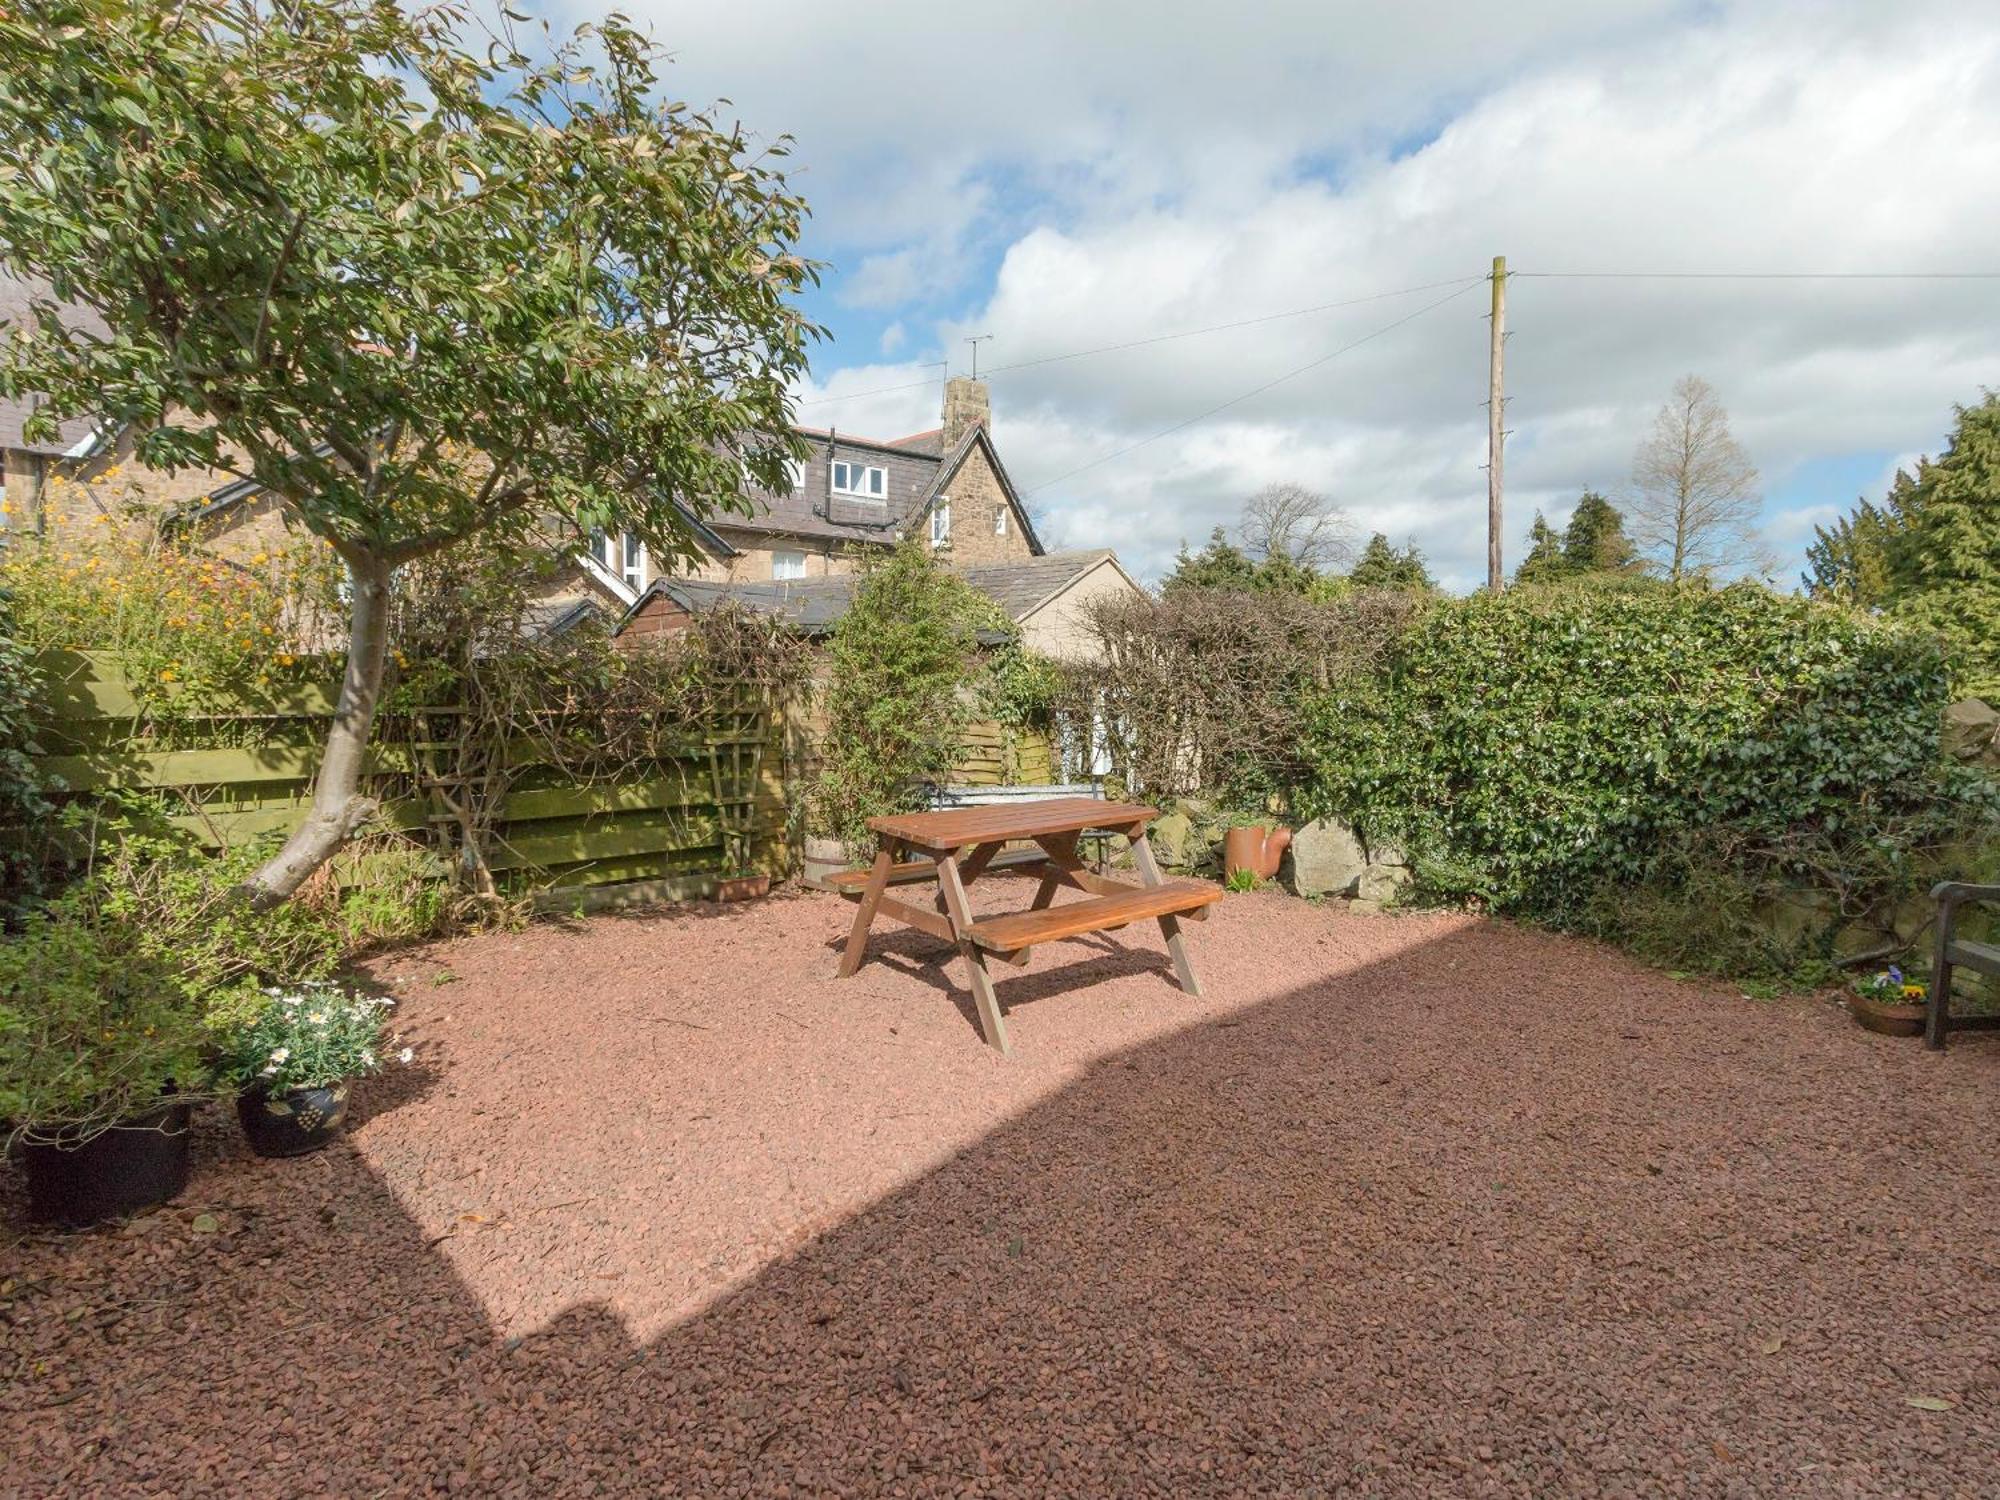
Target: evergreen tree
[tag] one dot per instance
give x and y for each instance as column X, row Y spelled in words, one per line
column 1382, row 566
column 1219, row 565
column 1595, row 540
column 1545, row 562
column 1943, row 553
column 1849, row 561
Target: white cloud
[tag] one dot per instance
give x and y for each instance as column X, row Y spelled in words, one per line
column 1080, row 175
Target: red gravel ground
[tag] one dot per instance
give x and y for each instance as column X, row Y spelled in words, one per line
column 1406, row 1206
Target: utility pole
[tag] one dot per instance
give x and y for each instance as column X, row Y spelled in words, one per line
column 1496, row 435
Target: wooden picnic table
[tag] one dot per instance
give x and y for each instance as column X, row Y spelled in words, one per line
column 952, row 849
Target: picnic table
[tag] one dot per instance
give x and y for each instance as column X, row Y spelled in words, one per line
column 953, row 848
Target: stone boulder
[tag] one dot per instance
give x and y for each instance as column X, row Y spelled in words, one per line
column 1326, row 859
column 1383, row 884
column 1972, row 733
column 1170, row 835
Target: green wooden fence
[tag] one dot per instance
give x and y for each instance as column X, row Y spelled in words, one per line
column 669, row 829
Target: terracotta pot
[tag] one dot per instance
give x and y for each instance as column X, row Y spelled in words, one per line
column 742, row 887
column 1257, row 849
column 1886, row 1019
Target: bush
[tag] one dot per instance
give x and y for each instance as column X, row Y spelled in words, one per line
column 93, row 1024
column 23, row 807
column 904, row 673
column 1680, row 755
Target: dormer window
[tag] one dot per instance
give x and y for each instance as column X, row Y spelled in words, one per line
column 862, row 481
column 623, row 554
column 941, row 524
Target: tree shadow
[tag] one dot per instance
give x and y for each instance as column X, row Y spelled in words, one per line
column 1496, row 1212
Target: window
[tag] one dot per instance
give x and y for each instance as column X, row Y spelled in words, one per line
column 795, row 475
column 941, row 524
column 627, row 558
column 1000, row 521
column 860, row 480
column 788, row 565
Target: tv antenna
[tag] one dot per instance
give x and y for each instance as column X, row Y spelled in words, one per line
column 976, row 340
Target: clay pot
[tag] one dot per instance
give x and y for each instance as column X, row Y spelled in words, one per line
column 1886, row 1019
column 742, row 887
column 294, row 1122
column 78, row 1180
column 1257, row 849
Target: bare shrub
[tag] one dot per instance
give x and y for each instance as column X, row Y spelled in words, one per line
column 1202, row 689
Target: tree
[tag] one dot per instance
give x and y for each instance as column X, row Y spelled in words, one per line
column 1849, row 560
column 1219, row 565
column 419, row 294
column 1224, row 565
column 1694, row 501
column 1545, row 562
column 1290, row 523
column 1382, row 566
column 1944, row 550
column 1595, row 540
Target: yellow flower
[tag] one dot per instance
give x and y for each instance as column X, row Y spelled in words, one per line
column 167, row 676
column 1913, row 992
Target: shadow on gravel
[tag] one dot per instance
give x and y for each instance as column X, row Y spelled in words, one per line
column 1409, row 1230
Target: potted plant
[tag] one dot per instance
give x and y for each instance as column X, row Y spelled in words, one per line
column 292, row 1060
column 1888, row 1003
column 101, row 1059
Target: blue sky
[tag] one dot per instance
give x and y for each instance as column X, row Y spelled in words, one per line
column 1067, row 176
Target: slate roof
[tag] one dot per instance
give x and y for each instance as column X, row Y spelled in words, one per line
column 14, row 295
column 1022, row 587
column 915, row 473
column 816, row 605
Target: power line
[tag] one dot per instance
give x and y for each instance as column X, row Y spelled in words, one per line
column 1760, row 275
column 1162, row 338
column 1256, row 390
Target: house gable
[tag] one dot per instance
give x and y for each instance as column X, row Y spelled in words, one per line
column 976, row 485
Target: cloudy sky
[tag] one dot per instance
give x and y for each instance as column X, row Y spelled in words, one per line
column 1066, row 176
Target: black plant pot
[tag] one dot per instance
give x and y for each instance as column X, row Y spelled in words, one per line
column 137, row 1163
column 294, row 1122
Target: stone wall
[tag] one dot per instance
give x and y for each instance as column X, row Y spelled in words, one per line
column 977, row 497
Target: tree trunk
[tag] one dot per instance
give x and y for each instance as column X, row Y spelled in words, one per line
column 338, row 807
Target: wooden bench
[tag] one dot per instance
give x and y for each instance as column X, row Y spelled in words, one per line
column 1954, row 952
column 1023, row 929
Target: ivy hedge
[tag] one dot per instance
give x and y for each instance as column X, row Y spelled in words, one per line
column 1579, row 752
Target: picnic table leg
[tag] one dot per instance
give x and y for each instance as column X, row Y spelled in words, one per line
column 1170, row 927
column 864, row 916
column 991, row 1021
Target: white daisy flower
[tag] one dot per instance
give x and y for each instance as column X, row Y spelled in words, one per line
column 281, row 1054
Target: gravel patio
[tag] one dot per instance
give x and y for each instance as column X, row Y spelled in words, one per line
column 1419, row 1205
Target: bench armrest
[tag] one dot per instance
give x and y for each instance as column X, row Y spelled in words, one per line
column 1951, row 894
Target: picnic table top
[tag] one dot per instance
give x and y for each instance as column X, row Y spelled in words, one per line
column 986, row 823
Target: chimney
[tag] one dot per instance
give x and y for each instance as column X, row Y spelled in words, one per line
column 965, row 407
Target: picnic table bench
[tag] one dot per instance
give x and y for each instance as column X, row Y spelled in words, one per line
column 954, row 848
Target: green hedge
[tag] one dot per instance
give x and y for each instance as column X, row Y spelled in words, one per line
column 1543, row 746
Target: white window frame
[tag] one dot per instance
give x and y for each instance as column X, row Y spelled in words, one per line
column 787, row 564
column 1000, row 521
column 941, row 523
column 795, row 474
column 623, row 558
column 873, row 485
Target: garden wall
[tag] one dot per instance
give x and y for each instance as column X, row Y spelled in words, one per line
column 671, row 830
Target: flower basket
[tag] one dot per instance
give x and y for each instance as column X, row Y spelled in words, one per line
column 1888, row 1004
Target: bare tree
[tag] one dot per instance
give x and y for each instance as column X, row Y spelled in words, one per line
column 1295, row 523
column 1694, row 490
